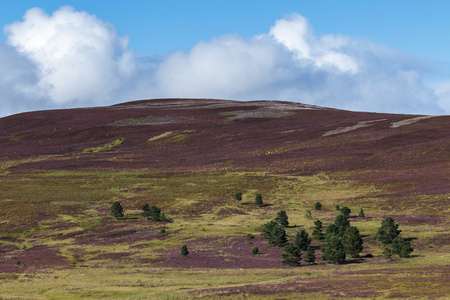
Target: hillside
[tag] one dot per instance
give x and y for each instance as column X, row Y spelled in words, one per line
column 60, row 171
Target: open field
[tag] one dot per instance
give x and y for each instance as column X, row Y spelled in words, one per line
column 61, row 170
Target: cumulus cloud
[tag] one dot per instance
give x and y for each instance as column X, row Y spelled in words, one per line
column 72, row 58
column 78, row 57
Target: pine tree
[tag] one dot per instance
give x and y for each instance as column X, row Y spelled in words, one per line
column 154, row 214
column 277, row 237
column 145, row 209
column 352, row 241
column 255, row 250
column 401, row 247
column 387, row 254
column 267, row 229
column 361, row 213
column 317, row 233
column 346, row 211
column 342, row 223
column 238, row 196
column 331, row 230
column 388, row 231
column 282, row 218
column 333, row 250
column 310, row 257
column 293, row 255
column 116, row 210
column 302, row 240
column 318, row 206
column 184, row 250
column 258, row 199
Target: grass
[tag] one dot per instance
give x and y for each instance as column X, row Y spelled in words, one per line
column 106, row 147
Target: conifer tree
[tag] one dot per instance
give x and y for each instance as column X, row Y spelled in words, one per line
column 361, row 213
column 331, row 230
column 267, row 229
column 317, row 233
column 310, row 257
column 346, row 211
column 184, row 250
column 302, row 240
column 282, row 218
column 277, row 237
column 116, row 210
column 342, row 223
column 258, row 199
column 352, row 241
column 318, row 206
column 292, row 255
column 238, row 196
column 388, row 231
column 333, row 250
column 401, row 247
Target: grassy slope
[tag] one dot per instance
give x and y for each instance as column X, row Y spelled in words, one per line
column 189, row 157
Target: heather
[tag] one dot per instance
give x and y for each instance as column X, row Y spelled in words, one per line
column 202, row 163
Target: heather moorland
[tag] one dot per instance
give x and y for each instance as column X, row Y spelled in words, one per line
column 61, row 170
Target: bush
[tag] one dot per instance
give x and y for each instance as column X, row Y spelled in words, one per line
column 184, row 250
column 116, row 210
column 250, row 236
column 258, row 199
column 308, row 214
column 238, row 196
column 318, row 206
column 337, row 207
column 255, row 250
column 282, row 218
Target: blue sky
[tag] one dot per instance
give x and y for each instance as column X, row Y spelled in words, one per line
column 384, row 56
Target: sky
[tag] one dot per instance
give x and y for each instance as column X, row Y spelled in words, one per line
column 378, row 56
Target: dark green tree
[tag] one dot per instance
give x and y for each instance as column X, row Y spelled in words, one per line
column 308, row 214
column 277, row 237
column 145, row 209
column 346, row 211
column 184, row 250
column 282, row 218
column 255, row 250
column 310, row 257
column 401, row 247
column 116, row 210
column 154, row 214
column 342, row 223
column 238, row 196
column 388, row 231
column 352, row 241
column 361, row 213
column 331, row 230
column 337, row 207
column 333, row 250
column 302, row 240
column 267, row 229
column 258, row 199
column 317, row 233
column 318, row 206
column 387, row 254
column 292, row 255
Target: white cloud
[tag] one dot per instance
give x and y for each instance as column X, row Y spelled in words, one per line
column 72, row 58
column 78, row 57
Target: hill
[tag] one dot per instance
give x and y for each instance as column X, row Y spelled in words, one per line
column 60, row 171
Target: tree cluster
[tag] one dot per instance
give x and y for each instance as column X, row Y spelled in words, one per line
column 388, row 234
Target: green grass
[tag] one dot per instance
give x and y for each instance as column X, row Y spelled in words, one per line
column 106, row 147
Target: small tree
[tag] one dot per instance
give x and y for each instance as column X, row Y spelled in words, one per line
column 337, row 207
column 293, row 255
column 361, row 213
column 238, row 196
column 352, row 241
column 387, row 254
column 145, row 209
column 331, row 230
column 401, row 247
column 154, row 214
column 277, row 237
column 255, row 250
column 310, row 257
column 184, row 250
column 388, row 231
column 116, row 210
column 258, row 199
column 302, row 240
column 346, row 211
column 308, row 214
column 342, row 223
column 267, row 229
column 318, row 206
column 317, row 233
column 333, row 250
column 282, row 218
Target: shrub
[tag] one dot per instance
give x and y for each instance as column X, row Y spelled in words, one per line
column 282, row 218
column 116, row 210
column 337, row 207
column 184, row 250
column 388, row 231
column 308, row 214
column 250, row 236
column 318, row 206
column 258, row 199
column 255, row 250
